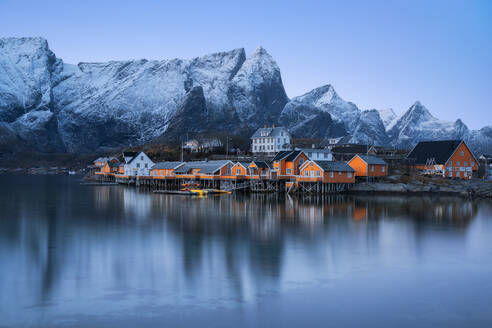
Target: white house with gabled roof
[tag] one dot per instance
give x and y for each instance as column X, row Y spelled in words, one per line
column 139, row 165
column 270, row 140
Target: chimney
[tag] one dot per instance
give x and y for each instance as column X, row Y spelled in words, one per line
column 313, row 146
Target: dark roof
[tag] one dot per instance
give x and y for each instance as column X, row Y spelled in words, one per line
column 281, row 154
column 113, row 164
column 207, row 167
column 441, row 151
column 373, row 160
column 293, row 154
column 350, row 149
column 334, row 166
column 271, row 132
column 167, row 165
column 262, row 164
column 244, row 164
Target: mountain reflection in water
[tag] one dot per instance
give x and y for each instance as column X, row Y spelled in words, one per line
column 72, row 255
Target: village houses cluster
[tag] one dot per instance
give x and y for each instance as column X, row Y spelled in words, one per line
column 274, row 159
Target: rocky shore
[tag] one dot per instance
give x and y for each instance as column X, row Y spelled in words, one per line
column 474, row 188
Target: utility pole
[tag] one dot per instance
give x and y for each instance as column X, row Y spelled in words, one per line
column 227, row 146
column 182, row 151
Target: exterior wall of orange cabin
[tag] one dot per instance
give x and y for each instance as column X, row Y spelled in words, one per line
column 293, row 166
column 359, row 166
column 361, row 169
column 162, row 173
column 238, row 170
column 325, row 176
column 106, row 168
column 457, row 162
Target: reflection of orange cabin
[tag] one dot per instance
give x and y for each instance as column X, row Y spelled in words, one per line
column 366, row 165
column 286, row 163
column 165, row 170
column 360, row 213
column 326, row 172
column 449, row 158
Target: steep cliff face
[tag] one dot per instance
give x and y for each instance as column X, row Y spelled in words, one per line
column 322, row 113
column 51, row 106
column 257, row 92
column 93, row 106
column 27, row 71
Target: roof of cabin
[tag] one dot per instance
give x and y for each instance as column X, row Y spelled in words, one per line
column 293, row 155
column 113, row 164
column 372, row 160
column 206, row 167
column 281, row 154
column 167, row 165
column 262, row 164
column 350, row 149
column 271, row 132
column 104, row 159
column 315, row 150
column 441, row 151
column 334, row 166
column 244, row 164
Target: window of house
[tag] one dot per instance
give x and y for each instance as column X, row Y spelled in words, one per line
column 457, row 163
column 301, row 161
column 326, row 155
column 458, row 174
column 472, row 164
column 331, row 174
column 450, row 163
column 349, row 174
column 138, row 164
column 238, row 172
column 382, row 168
column 372, row 168
column 141, row 158
column 318, row 173
column 146, row 165
column 339, row 173
column 462, row 153
column 465, row 163
column 278, row 140
column 255, row 147
column 287, row 171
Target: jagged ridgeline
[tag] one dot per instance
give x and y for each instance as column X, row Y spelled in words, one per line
column 51, row 106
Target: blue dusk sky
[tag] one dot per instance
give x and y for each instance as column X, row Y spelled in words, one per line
column 377, row 54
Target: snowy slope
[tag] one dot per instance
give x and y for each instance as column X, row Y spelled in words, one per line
column 53, row 106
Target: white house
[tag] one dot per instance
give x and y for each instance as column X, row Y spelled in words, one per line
column 270, row 140
column 139, row 165
column 317, row 154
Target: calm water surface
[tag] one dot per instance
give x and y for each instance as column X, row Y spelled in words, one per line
column 81, row 256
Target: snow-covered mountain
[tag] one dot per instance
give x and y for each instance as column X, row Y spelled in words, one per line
column 89, row 106
column 324, row 106
column 418, row 124
column 52, row 106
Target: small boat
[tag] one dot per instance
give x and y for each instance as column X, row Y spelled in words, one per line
column 193, row 192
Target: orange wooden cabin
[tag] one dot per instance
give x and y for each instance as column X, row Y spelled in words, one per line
column 286, row 164
column 110, row 166
column 165, row 170
column 449, row 158
column 326, row 172
column 259, row 170
column 368, row 166
column 205, row 170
